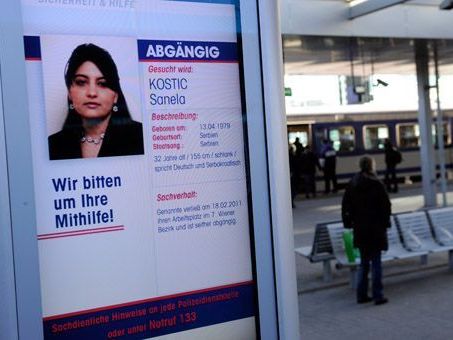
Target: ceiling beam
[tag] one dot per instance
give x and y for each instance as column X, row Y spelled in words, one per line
column 371, row 6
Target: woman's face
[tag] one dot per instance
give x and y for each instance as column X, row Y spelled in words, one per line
column 89, row 92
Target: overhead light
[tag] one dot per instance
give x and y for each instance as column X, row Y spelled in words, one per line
column 446, row 4
column 355, row 2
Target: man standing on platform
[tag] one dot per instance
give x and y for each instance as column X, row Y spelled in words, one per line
column 366, row 209
column 328, row 163
column 309, row 162
column 392, row 158
column 298, row 151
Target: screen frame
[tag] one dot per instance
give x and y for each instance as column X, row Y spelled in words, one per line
column 17, row 164
column 18, row 169
column 8, row 311
column 258, row 172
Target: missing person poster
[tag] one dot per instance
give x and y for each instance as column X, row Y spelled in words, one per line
column 140, row 172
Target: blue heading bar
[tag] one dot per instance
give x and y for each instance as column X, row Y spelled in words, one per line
column 170, row 50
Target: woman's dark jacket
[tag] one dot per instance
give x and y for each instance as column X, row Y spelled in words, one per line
column 121, row 139
column 366, row 209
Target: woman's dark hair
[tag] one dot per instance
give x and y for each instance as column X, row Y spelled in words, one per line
column 104, row 62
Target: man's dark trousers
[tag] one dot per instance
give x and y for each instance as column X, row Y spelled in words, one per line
column 366, row 258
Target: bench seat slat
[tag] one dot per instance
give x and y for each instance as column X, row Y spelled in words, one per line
column 416, row 233
column 442, row 223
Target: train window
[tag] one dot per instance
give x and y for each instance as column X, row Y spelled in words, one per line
column 374, row 136
column 343, row 138
column 302, row 135
column 408, row 135
column 299, row 131
column 445, row 131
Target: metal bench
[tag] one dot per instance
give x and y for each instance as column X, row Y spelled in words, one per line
column 396, row 248
column 441, row 220
column 336, row 231
column 395, row 251
column 417, row 233
column 320, row 251
column 410, row 235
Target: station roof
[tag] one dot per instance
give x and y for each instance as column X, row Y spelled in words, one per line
column 319, row 37
column 333, row 55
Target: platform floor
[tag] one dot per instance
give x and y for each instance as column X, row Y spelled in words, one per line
column 420, row 296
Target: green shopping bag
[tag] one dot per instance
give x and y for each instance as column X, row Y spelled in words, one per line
column 351, row 252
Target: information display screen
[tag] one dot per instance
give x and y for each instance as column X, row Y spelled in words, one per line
column 137, row 128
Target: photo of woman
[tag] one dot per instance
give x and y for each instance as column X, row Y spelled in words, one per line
column 98, row 122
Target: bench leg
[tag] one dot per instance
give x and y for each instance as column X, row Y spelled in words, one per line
column 327, row 271
column 424, row 259
column 450, row 260
column 353, row 277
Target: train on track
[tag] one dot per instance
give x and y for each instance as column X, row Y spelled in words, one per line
column 356, row 134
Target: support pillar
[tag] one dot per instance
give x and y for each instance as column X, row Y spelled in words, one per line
column 427, row 159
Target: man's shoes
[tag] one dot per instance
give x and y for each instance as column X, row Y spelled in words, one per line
column 381, row 301
column 364, row 300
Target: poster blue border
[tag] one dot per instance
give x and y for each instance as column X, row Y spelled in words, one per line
column 157, row 317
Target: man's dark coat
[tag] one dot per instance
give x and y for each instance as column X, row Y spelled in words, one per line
column 366, row 208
